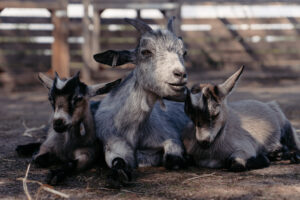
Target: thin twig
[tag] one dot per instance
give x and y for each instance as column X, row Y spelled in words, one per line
column 42, row 186
column 128, row 191
column 201, row 176
column 56, row 192
column 28, row 130
column 109, row 189
column 25, row 183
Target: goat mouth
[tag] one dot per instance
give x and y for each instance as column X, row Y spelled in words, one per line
column 204, row 144
column 60, row 129
column 177, row 87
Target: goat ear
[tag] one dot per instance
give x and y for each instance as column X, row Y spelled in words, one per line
column 229, row 84
column 102, row 88
column 115, row 58
column 45, row 80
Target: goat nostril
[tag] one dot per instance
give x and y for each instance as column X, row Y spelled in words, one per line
column 184, row 75
column 178, row 73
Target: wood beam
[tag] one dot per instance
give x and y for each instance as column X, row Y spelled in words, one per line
column 60, row 46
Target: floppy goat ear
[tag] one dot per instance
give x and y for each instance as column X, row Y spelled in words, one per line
column 115, row 58
column 102, row 88
column 45, row 80
column 229, row 84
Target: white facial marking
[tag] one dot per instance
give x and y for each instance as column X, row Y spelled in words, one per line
column 61, row 114
column 196, row 100
column 60, row 84
column 203, row 134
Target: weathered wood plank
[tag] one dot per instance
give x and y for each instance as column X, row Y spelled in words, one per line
column 55, row 4
column 60, row 46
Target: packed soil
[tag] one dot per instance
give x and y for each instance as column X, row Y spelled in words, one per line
column 22, row 110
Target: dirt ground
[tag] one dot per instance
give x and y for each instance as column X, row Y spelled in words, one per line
column 31, row 108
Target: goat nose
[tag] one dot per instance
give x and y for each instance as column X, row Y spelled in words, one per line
column 58, row 122
column 204, row 144
column 179, row 74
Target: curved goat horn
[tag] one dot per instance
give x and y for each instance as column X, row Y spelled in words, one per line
column 141, row 26
column 170, row 24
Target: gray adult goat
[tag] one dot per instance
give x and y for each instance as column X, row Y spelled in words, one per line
column 133, row 127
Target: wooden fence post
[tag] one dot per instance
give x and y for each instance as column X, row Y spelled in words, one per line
column 60, row 47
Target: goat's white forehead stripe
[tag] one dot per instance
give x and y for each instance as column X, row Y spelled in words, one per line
column 61, row 114
column 60, row 84
column 196, row 100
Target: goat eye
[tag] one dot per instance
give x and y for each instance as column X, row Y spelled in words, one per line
column 146, row 53
column 77, row 99
column 184, row 53
column 195, row 90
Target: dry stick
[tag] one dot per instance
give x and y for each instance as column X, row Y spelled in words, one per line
column 108, row 189
column 28, row 130
column 42, row 186
column 201, row 176
column 25, row 183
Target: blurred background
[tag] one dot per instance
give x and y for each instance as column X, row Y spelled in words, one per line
column 220, row 35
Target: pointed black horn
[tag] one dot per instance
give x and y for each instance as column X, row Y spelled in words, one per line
column 140, row 26
column 56, row 74
column 170, row 24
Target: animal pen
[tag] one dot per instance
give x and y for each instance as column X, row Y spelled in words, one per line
column 61, row 43
column 219, row 40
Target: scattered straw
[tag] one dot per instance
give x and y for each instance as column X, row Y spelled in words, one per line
column 28, row 131
column 25, row 183
column 128, row 191
column 196, row 177
column 42, row 187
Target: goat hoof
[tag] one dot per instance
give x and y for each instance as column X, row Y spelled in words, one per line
column 236, row 166
column 117, row 178
column 174, row 162
column 42, row 160
column 28, row 149
column 55, row 177
column 295, row 158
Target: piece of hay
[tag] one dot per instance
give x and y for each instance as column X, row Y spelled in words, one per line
column 25, row 183
column 196, row 177
column 42, row 187
column 28, row 131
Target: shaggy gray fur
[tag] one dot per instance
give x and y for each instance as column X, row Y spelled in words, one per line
column 238, row 132
column 130, row 120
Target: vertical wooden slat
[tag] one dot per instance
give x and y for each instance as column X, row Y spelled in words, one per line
column 95, row 37
column 60, row 47
column 86, row 46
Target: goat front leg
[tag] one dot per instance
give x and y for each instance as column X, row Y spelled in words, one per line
column 242, row 161
column 28, row 149
column 119, row 156
column 173, row 155
column 44, row 158
column 83, row 159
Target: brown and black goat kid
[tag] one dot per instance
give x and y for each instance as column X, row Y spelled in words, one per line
column 240, row 135
column 71, row 138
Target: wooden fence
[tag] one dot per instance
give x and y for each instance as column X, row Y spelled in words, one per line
column 259, row 43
